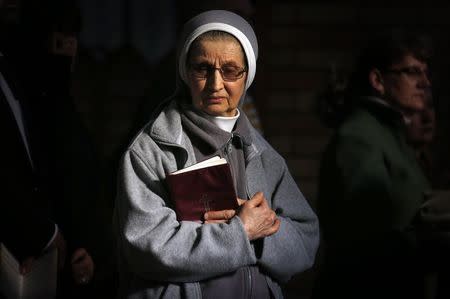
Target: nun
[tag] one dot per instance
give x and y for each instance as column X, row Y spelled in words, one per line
column 244, row 253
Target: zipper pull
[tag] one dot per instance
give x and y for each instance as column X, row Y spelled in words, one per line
column 227, row 147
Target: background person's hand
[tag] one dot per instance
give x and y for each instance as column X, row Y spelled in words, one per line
column 82, row 266
column 258, row 218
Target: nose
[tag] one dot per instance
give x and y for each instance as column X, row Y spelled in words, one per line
column 425, row 80
column 215, row 81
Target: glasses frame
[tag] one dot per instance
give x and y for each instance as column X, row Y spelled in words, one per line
column 210, row 69
column 412, row 71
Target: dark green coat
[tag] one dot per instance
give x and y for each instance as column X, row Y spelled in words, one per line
column 370, row 189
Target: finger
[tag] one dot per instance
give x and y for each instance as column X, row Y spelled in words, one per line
column 256, row 200
column 219, row 215
column 272, row 217
column 275, row 227
column 78, row 256
column 241, row 201
column 215, row 221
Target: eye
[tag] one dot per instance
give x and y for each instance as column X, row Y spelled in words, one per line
column 200, row 67
column 229, row 70
column 413, row 71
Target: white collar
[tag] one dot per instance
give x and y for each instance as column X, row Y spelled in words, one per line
column 226, row 123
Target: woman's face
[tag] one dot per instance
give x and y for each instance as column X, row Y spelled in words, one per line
column 210, row 92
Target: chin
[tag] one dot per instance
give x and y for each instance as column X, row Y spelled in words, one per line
column 220, row 112
column 214, row 112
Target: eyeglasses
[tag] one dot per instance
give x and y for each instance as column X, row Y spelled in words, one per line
column 412, row 71
column 228, row 72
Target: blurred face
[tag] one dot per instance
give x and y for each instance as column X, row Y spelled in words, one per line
column 406, row 83
column 420, row 130
column 216, row 76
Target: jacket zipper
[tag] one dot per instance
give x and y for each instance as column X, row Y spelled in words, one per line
column 249, row 278
column 199, row 290
column 227, row 150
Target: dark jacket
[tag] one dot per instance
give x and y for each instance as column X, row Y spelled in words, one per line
column 25, row 224
column 370, row 189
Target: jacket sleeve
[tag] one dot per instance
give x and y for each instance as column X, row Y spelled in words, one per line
column 155, row 246
column 293, row 248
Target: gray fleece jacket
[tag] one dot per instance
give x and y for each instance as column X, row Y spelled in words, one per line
column 160, row 257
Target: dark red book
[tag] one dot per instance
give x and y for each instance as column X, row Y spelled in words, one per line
column 202, row 187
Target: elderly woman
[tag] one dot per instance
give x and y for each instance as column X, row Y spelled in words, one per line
column 234, row 254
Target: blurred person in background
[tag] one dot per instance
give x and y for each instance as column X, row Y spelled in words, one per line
column 371, row 186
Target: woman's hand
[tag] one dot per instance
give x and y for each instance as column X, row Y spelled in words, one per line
column 221, row 216
column 82, row 266
column 258, row 218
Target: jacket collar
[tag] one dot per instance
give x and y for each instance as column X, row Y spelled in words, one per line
column 167, row 129
column 382, row 110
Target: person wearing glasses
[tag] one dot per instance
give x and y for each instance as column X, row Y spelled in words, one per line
column 371, row 186
column 244, row 253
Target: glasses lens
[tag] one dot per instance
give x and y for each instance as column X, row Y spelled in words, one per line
column 229, row 73
column 415, row 72
column 200, row 71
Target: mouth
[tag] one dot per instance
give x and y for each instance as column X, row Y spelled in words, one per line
column 214, row 99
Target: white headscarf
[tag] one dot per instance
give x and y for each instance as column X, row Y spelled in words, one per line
column 220, row 20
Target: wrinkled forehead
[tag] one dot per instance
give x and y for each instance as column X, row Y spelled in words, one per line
column 216, row 41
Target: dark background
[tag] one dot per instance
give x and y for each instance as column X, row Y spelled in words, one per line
column 304, row 45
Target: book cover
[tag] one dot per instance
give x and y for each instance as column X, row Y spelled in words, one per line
column 202, row 187
column 39, row 283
